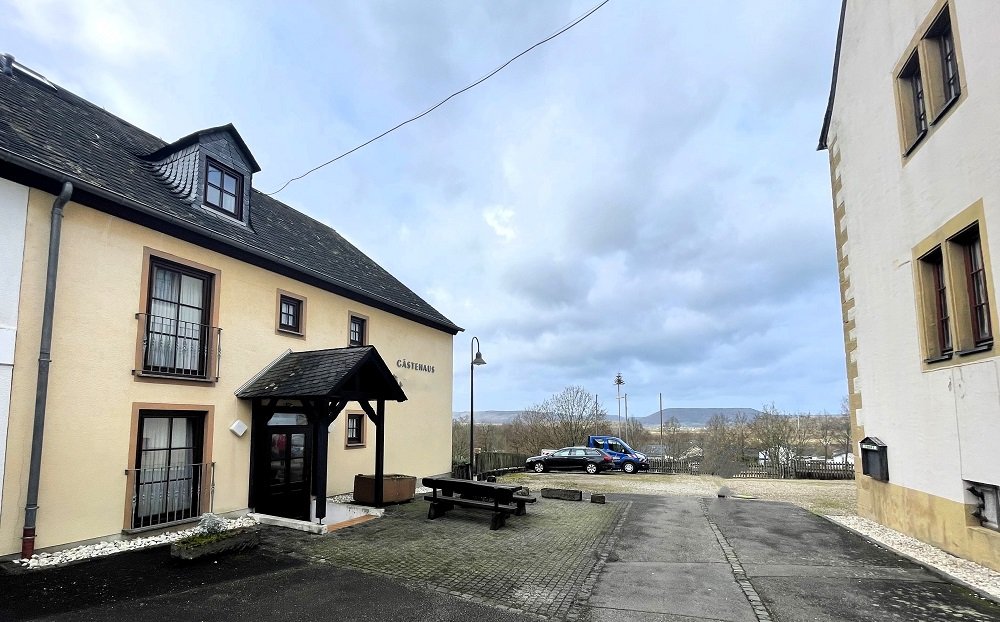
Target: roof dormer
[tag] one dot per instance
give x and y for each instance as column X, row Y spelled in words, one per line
column 211, row 168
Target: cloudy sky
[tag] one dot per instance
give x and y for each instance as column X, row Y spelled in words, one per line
column 642, row 194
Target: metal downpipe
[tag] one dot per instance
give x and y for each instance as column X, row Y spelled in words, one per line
column 42, row 384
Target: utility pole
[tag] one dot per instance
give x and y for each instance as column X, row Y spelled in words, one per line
column 597, row 421
column 618, row 393
column 663, row 448
column 626, row 418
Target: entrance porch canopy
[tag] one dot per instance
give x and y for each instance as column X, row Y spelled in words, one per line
column 324, row 382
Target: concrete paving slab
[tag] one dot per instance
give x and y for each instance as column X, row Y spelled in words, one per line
column 862, row 600
column 616, row 615
column 841, row 572
column 676, row 589
column 764, row 532
column 675, row 531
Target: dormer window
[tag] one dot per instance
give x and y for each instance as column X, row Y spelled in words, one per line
column 223, row 189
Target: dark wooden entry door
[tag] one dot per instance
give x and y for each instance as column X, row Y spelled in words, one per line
column 282, row 473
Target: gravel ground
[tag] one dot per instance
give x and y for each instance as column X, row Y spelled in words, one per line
column 835, row 499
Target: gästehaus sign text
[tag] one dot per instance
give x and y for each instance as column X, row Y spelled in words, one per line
column 405, row 364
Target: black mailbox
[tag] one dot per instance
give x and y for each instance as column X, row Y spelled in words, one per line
column 874, row 461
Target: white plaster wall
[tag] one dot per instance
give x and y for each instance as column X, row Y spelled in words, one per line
column 941, row 426
column 13, row 211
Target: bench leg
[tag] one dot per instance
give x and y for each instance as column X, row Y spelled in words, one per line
column 437, row 509
column 520, row 510
column 499, row 520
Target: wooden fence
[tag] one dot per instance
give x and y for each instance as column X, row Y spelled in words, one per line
column 797, row 469
column 490, row 463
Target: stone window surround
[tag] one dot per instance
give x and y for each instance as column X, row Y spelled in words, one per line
column 924, row 49
column 947, row 238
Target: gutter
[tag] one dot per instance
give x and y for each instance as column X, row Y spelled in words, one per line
column 109, row 195
column 42, row 383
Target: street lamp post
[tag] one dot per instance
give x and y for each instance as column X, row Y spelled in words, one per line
column 477, row 359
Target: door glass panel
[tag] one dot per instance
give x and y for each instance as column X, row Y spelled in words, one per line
column 155, row 433
column 297, row 470
column 298, row 445
column 277, row 472
column 278, row 446
column 288, row 419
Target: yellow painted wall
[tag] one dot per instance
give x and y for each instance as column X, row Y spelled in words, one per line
column 92, row 389
column 944, row 523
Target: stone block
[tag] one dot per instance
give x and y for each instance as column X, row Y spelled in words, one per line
column 565, row 494
column 595, row 498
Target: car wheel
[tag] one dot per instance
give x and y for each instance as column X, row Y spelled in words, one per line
column 629, row 467
column 539, row 467
column 592, row 468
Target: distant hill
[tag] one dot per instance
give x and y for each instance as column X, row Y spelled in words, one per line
column 488, row 416
column 688, row 417
column 693, row 417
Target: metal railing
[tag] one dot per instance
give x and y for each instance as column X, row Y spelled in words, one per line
column 172, row 347
column 162, row 495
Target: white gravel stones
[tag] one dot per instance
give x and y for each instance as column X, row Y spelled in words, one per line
column 100, row 549
column 348, row 497
column 978, row 576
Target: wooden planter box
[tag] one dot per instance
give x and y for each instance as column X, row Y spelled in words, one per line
column 395, row 488
column 216, row 543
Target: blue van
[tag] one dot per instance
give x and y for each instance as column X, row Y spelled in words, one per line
column 626, row 458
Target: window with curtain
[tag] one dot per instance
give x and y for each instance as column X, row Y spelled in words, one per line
column 355, row 429
column 177, row 331
column 168, row 469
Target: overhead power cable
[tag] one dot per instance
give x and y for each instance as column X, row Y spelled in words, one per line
column 445, row 100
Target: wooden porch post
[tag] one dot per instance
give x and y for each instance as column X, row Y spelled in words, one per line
column 379, row 452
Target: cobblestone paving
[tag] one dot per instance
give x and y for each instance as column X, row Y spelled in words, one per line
column 542, row 563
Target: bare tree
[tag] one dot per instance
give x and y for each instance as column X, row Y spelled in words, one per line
column 637, row 434
column 781, row 436
column 720, row 447
column 566, row 418
column 460, row 440
column 672, row 442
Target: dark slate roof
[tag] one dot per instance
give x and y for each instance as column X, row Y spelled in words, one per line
column 192, row 139
column 357, row 372
column 825, row 130
column 60, row 136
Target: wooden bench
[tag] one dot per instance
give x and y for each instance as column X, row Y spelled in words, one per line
column 487, row 496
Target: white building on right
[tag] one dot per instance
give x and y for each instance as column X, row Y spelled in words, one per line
column 913, row 134
column 13, row 214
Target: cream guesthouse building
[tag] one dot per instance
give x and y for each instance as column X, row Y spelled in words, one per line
column 912, row 130
column 211, row 347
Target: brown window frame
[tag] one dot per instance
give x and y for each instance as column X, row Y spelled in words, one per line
column 206, row 413
column 237, row 197
column 914, row 105
column 363, row 322
column 977, row 284
column 934, row 262
column 210, row 317
column 280, row 327
column 361, row 428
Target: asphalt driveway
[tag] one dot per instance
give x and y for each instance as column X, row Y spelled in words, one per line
column 637, row 558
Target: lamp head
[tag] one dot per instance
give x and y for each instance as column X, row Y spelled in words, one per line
column 479, row 360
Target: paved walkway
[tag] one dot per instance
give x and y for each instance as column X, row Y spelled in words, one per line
column 636, row 559
column 689, row 560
